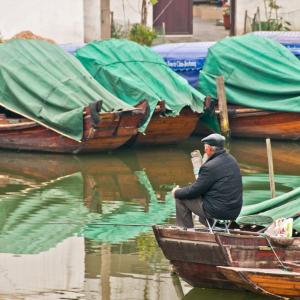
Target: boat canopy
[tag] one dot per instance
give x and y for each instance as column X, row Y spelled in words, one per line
column 42, row 82
column 257, row 201
column 258, row 72
column 133, row 73
column 186, row 59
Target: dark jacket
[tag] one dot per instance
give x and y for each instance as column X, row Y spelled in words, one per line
column 219, row 184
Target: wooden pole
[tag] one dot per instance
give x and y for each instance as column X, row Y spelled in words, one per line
column 224, row 122
column 271, row 168
column 245, row 21
column 105, row 19
column 258, row 19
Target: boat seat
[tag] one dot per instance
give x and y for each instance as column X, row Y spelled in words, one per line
column 225, row 223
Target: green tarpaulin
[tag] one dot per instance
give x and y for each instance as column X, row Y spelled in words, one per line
column 258, row 73
column 41, row 82
column 257, row 201
column 133, row 73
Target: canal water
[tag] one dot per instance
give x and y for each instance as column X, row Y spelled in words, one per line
column 79, row 227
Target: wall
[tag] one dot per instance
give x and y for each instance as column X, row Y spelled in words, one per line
column 92, row 24
column 60, row 20
column 290, row 11
column 129, row 12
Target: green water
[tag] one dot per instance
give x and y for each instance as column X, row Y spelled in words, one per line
column 63, row 217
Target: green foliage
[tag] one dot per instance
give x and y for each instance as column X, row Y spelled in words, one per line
column 142, row 34
column 273, row 22
column 272, row 25
column 117, row 31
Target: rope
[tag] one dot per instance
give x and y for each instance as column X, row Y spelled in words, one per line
column 277, row 257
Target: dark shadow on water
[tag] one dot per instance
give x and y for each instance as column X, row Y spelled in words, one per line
column 214, row 294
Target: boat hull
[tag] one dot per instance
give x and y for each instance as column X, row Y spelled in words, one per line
column 196, row 254
column 274, row 125
column 270, row 282
column 112, row 131
column 253, row 123
column 168, row 130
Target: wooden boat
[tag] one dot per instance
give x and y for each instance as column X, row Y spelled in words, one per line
column 259, row 251
column 112, row 131
column 168, row 130
column 271, row 282
column 196, row 253
column 252, row 123
column 255, row 123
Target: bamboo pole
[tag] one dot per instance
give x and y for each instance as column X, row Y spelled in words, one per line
column 271, row 168
column 224, row 122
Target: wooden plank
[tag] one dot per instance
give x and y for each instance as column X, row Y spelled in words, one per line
column 271, row 168
column 222, row 101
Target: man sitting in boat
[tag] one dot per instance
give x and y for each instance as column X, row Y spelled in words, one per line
column 217, row 192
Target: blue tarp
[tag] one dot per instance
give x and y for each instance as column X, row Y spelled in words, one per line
column 291, row 39
column 71, row 47
column 187, row 59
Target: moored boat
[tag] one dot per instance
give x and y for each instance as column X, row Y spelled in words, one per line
column 168, row 130
column 48, row 102
column 196, row 253
column 262, row 86
column 111, row 131
column 133, row 72
column 257, row 123
column 278, row 283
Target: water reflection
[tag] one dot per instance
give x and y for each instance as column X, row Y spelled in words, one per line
column 62, row 217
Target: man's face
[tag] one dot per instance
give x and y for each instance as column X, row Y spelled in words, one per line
column 208, row 150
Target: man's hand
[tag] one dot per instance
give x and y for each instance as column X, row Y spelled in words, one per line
column 174, row 190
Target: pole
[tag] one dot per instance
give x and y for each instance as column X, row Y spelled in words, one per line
column 245, row 21
column 105, row 19
column 271, row 168
column 224, row 122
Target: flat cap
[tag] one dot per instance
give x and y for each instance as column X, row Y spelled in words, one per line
column 214, row 139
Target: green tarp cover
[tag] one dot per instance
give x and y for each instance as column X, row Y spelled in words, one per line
column 257, row 201
column 258, row 73
column 133, row 73
column 41, row 82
